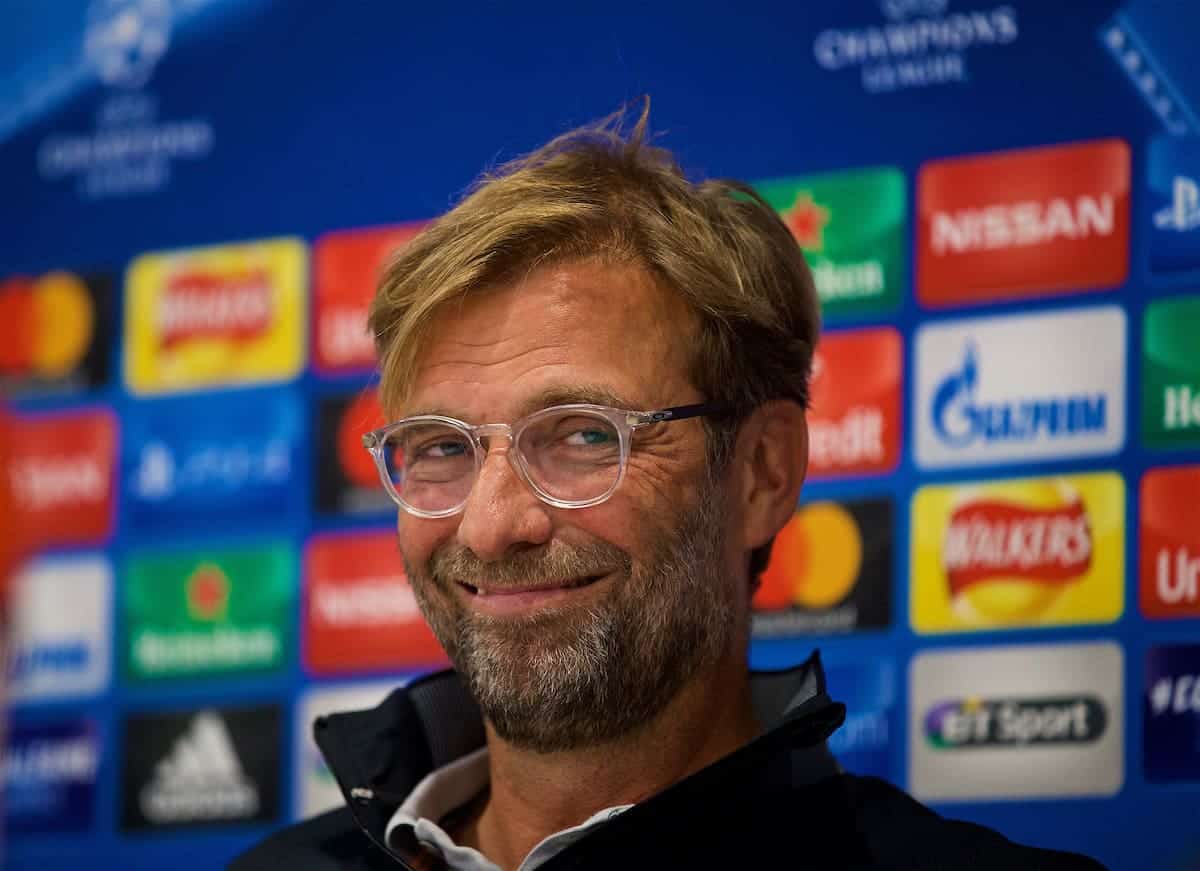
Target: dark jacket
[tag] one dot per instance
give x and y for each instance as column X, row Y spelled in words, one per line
column 779, row 802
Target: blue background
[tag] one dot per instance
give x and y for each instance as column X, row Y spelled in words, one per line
column 331, row 116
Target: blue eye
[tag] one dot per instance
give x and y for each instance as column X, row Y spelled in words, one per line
column 439, row 450
column 589, row 437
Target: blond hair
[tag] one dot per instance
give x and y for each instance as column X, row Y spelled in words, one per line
column 597, row 193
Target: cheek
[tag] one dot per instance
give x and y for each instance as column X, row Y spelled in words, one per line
column 419, row 538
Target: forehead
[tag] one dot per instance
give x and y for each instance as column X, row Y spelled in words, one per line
column 585, row 331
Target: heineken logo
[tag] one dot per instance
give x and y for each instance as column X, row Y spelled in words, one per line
column 1171, row 373
column 207, row 593
column 851, row 227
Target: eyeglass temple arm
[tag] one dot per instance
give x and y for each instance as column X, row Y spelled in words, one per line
column 680, row 412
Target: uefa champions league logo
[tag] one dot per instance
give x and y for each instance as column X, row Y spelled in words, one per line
column 898, row 10
column 125, row 39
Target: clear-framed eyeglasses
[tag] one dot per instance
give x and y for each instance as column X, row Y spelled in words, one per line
column 571, row 456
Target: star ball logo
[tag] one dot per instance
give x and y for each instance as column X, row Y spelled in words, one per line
column 1028, row 552
column 852, row 228
column 1171, row 373
column 830, row 571
column 1022, row 224
column 1169, row 566
column 1019, row 388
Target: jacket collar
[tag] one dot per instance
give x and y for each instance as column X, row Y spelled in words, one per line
column 378, row 756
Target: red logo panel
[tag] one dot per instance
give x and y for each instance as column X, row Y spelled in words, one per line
column 359, row 610
column 854, row 422
column 61, row 476
column 346, row 267
column 1169, row 565
column 1023, row 223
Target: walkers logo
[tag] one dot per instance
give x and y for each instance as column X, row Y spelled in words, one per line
column 233, row 314
column 318, row 791
column 830, row 571
column 864, row 742
column 208, row 612
column 1171, row 373
column 359, row 610
column 183, row 462
column 1026, row 722
column 1023, row 223
column 1171, row 740
column 49, row 776
column 1173, row 188
column 346, row 269
column 1029, row 552
column 1016, row 722
column 1014, row 389
column 852, row 228
column 346, row 479
column 60, row 629
column 55, row 332
column 1169, row 568
column 61, row 475
column 206, row 767
column 854, row 425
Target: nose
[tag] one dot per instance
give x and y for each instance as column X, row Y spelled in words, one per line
column 502, row 514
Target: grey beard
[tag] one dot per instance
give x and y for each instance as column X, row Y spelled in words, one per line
column 567, row 678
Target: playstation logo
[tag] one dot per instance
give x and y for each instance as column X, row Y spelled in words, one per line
column 1183, row 212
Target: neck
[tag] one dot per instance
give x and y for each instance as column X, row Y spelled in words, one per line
column 534, row 795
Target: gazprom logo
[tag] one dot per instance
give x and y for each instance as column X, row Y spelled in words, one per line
column 1029, row 387
column 960, row 419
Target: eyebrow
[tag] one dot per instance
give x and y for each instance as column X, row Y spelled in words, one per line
column 560, row 394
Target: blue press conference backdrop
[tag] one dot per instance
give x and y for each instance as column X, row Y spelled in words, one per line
column 188, row 186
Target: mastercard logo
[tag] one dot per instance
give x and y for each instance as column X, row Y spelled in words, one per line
column 815, row 562
column 46, row 325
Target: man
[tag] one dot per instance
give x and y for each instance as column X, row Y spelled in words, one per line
column 599, row 373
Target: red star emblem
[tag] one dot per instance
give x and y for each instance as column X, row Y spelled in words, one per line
column 807, row 222
column 207, row 593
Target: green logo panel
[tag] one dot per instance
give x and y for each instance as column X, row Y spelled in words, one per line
column 1171, row 373
column 853, row 231
column 208, row 612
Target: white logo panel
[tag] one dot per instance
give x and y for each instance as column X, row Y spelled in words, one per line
column 1029, row 387
column 1016, row 722
column 60, row 629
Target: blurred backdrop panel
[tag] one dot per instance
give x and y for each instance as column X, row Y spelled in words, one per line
column 999, row 546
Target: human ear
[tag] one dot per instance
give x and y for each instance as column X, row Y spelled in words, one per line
column 772, row 456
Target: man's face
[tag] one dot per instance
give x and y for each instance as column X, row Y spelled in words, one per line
column 624, row 602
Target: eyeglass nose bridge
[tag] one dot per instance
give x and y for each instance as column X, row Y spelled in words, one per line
column 488, row 431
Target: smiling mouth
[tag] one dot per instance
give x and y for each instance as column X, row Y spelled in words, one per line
column 500, row 592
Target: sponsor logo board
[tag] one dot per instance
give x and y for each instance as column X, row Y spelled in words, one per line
column 49, row 775
column 359, row 610
column 215, row 317
column 211, row 611
column 347, row 481
column 864, row 742
column 212, row 766
column 61, row 476
column 346, row 268
column 318, row 791
column 55, row 332
column 1169, row 566
column 1171, row 733
column 1173, row 194
column 1027, row 552
column 182, row 462
column 1022, row 224
column 60, row 629
column 1020, row 388
column 854, row 425
column 852, row 228
column 1016, row 722
column 830, row 571
column 1171, row 373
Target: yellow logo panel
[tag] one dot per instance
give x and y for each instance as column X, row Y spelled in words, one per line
column 1031, row 552
column 211, row 317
